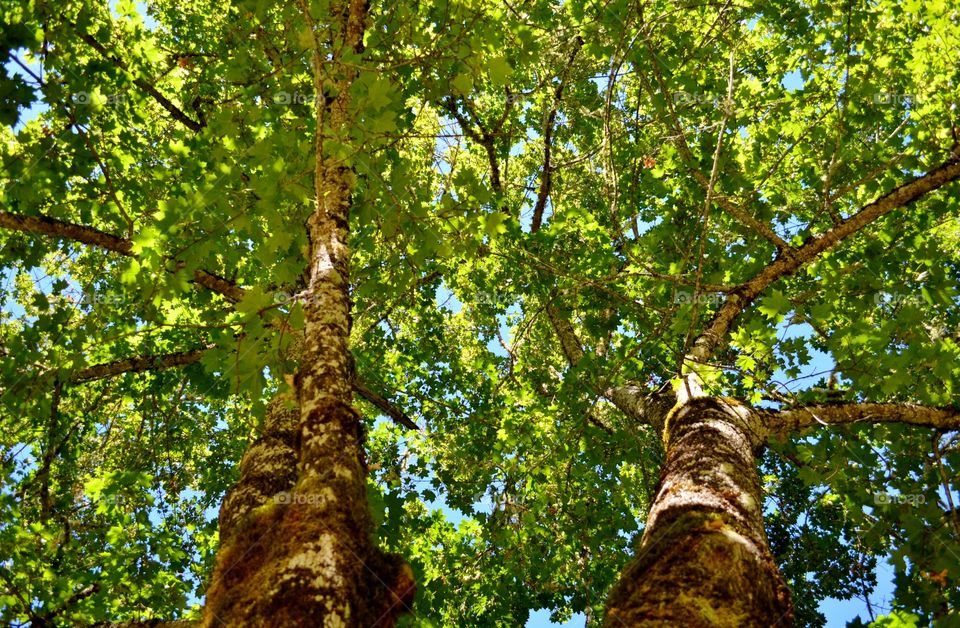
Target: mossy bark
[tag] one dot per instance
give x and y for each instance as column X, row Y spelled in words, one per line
column 296, row 546
column 704, row 559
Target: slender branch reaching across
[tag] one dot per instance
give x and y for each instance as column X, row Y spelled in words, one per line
column 637, row 402
column 143, row 363
column 382, row 404
column 546, row 176
column 70, row 602
column 408, row 295
column 154, row 93
column 738, row 212
column 44, row 225
column 482, row 137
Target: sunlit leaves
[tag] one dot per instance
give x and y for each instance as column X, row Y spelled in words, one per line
column 827, row 110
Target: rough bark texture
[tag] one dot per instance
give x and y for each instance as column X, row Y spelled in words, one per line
column 704, row 559
column 268, row 470
column 296, row 548
column 785, row 423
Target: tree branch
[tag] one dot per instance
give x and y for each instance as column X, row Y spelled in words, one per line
column 44, row 225
column 792, row 259
column 784, row 423
column 546, row 178
column 79, row 595
column 481, row 137
column 408, row 296
column 384, row 405
column 567, row 335
column 142, row 363
column 637, row 402
column 139, row 364
column 740, row 214
column 162, row 100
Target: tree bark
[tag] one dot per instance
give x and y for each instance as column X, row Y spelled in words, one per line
column 704, row 559
column 296, row 546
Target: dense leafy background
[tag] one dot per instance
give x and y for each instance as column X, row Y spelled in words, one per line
column 186, row 128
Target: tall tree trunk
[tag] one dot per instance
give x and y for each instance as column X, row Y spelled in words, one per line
column 296, row 548
column 704, row 559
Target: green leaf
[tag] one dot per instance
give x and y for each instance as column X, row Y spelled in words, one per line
column 254, row 301
column 775, row 305
column 462, row 84
column 499, row 70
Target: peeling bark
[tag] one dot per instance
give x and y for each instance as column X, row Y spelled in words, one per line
column 704, row 559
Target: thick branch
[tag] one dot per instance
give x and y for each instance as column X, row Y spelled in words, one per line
column 481, row 137
column 546, row 177
column 142, row 363
column 792, row 259
column 44, row 225
column 138, row 364
column 785, row 423
column 572, row 349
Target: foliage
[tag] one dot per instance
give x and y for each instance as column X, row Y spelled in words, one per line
column 184, row 130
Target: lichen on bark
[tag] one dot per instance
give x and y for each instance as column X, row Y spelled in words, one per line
column 297, row 548
column 704, row 559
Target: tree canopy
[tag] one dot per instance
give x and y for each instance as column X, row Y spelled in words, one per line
column 558, row 209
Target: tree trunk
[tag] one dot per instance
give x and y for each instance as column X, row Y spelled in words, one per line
column 296, row 547
column 704, row 559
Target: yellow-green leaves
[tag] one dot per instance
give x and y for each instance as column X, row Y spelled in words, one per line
column 498, row 69
column 462, row 84
column 775, row 305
